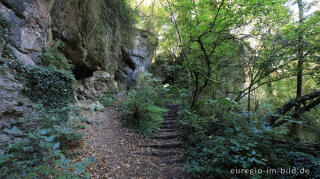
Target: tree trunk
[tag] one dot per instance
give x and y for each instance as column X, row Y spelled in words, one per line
column 294, row 128
column 249, row 99
column 195, row 93
column 269, row 89
column 309, row 100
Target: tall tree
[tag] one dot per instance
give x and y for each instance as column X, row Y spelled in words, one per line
column 300, row 56
column 210, row 37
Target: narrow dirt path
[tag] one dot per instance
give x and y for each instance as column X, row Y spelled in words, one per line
column 120, row 153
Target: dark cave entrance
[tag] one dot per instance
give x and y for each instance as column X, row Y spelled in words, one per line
column 82, row 71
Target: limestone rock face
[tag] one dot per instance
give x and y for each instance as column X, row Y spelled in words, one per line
column 29, row 21
column 12, row 105
column 95, row 86
column 137, row 58
column 91, row 42
column 35, row 24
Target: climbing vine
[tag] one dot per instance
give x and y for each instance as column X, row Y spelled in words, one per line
column 48, row 86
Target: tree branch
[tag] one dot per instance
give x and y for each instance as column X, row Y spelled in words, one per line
column 313, row 97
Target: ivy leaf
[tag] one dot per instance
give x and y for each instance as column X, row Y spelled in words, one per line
column 50, row 139
column 43, row 131
column 87, row 175
column 56, row 146
column 79, row 167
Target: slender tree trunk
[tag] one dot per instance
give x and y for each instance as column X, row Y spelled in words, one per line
column 249, row 99
column 269, row 89
column 300, row 51
column 295, row 127
column 195, row 93
column 250, row 78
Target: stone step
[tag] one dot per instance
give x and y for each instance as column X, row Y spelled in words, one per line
column 164, row 145
column 166, row 136
column 170, row 122
column 160, row 153
column 166, row 130
column 174, row 161
column 171, row 115
column 168, row 126
column 173, row 108
column 172, row 112
column 170, row 118
column 172, row 105
column 177, row 107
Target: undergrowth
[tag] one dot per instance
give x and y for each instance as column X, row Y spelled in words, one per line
column 108, row 100
column 46, row 85
column 45, row 134
column 219, row 138
column 142, row 107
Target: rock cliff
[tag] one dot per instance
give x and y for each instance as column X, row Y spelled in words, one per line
column 93, row 35
column 135, row 59
column 90, row 30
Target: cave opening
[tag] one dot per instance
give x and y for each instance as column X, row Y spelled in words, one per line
column 82, row 71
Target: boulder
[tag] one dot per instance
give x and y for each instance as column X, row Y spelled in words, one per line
column 94, row 86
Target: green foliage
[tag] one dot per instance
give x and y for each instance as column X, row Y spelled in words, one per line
column 152, row 41
column 108, row 100
column 4, row 28
column 41, row 150
column 52, row 58
column 211, row 50
column 303, row 160
column 121, row 10
column 165, row 68
column 48, row 131
column 115, row 13
column 141, row 109
column 48, row 86
column 174, row 76
column 151, row 120
column 68, row 171
column 4, row 38
column 216, row 142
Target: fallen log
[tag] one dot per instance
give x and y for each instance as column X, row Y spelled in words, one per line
column 307, row 101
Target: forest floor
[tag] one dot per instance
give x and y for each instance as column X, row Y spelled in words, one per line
column 120, row 153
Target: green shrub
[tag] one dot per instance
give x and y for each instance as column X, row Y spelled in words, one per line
column 141, row 109
column 152, row 119
column 108, row 100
